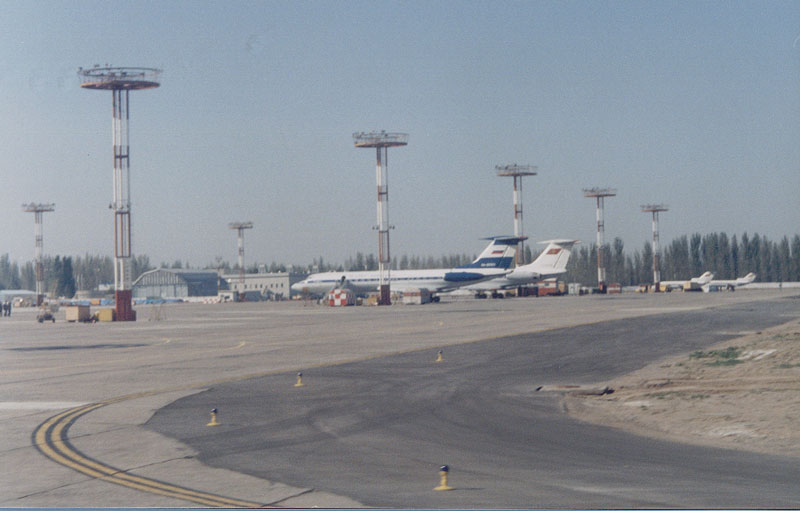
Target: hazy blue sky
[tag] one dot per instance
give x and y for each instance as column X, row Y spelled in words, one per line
column 692, row 104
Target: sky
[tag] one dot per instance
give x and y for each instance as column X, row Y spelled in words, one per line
column 695, row 105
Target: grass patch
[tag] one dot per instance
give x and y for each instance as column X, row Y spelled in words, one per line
column 727, row 357
column 788, row 366
column 677, row 394
column 666, row 395
column 724, row 362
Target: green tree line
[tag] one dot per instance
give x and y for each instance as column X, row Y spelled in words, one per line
column 64, row 275
column 404, row 262
column 682, row 258
column 689, row 256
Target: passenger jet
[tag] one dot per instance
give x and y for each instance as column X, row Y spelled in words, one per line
column 730, row 285
column 694, row 284
column 493, row 262
column 550, row 263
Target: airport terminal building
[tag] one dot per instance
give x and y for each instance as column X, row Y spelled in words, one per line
column 267, row 285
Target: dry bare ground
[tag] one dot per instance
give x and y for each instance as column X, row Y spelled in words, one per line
column 743, row 393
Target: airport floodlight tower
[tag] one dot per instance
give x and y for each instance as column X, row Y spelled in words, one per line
column 241, row 226
column 38, row 210
column 517, row 171
column 600, row 194
column 120, row 81
column 655, row 209
column 382, row 141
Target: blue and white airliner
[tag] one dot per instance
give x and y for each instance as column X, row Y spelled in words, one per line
column 493, row 262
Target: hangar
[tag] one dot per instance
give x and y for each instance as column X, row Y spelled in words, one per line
column 175, row 283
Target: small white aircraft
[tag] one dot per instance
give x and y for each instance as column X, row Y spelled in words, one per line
column 493, row 262
column 550, row 263
column 730, row 285
column 694, row 284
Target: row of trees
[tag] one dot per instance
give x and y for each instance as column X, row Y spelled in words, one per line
column 684, row 257
column 65, row 275
column 405, row 262
column 689, row 256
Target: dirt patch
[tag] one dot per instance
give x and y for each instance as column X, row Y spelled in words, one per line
column 743, row 393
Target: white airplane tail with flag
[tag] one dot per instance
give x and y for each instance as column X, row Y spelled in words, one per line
column 498, row 254
column 550, row 263
column 553, row 259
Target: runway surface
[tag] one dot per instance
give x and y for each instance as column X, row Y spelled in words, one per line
column 378, row 430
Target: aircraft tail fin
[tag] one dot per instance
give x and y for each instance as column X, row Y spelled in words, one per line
column 553, row 259
column 750, row 277
column 498, row 254
column 705, row 278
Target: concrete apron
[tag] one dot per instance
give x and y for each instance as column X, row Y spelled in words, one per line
column 113, row 435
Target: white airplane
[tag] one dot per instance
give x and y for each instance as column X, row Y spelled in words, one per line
column 694, row 284
column 550, row 263
column 730, row 285
column 493, row 262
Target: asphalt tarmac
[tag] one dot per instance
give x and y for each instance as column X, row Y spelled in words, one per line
column 378, row 430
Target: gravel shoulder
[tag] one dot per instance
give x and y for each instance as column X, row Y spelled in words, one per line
column 743, row 393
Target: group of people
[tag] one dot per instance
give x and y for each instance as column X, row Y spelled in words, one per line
column 5, row 309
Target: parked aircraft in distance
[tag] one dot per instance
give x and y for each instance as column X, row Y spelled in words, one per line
column 730, row 285
column 550, row 263
column 493, row 262
column 694, row 284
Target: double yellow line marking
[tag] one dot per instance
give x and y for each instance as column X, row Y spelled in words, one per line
column 51, row 439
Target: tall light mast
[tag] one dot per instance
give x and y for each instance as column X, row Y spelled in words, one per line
column 517, row 171
column 382, row 141
column 240, row 227
column 655, row 209
column 600, row 194
column 120, row 81
column 38, row 210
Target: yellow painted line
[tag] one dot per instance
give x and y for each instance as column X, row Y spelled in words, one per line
column 58, row 450
column 63, row 453
column 48, row 438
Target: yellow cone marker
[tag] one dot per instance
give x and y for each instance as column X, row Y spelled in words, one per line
column 213, row 418
column 443, row 471
column 439, row 356
column 299, row 380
